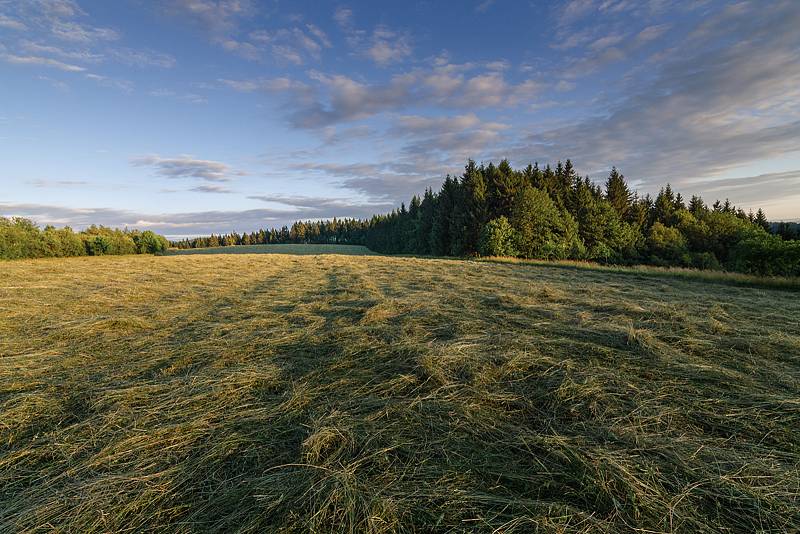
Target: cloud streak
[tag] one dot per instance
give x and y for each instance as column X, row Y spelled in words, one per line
column 188, row 167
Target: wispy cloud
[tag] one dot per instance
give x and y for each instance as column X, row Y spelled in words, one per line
column 41, row 61
column 211, row 188
column 57, row 184
column 339, row 98
column 188, row 167
column 484, row 6
column 388, row 46
column 142, row 58
column 191, row 98
column 216, row 16
column 125, row 86
column 11, row 24
column 343, row 17
column 293, row 45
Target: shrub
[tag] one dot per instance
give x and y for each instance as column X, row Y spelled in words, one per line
column 498, row 238
column 149, row 242
column 667, row 245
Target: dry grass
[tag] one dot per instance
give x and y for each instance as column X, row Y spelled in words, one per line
column 281, row 393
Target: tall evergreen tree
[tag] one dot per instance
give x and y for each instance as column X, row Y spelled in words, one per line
column 618, row 193
column 502, row 183
column 696, row 205
column 427, row 209
column 440, row 231
column 664, row 206
column 761, row 220
column 470, row 213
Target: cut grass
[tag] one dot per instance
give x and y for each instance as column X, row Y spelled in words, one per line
column 373, row 394
column 281, row 248
column 714, row 277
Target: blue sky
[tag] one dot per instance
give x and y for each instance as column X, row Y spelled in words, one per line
column 197, row 116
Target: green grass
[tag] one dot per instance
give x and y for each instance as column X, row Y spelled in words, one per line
column 349, row 250
column 383, row 394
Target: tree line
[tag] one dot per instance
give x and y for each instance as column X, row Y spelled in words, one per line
column 22, row 238
column 553, row 213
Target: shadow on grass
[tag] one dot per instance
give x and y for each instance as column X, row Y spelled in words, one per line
column 689, row 275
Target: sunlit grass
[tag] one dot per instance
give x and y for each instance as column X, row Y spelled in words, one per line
column 375, row 394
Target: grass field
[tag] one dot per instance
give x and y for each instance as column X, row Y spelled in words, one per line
column 349, row 250
column 286, row 393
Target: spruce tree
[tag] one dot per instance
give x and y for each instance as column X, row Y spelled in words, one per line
column 664, row 206
column 696, row 205
column 618, row 193
column 470, row 213
column 502, row 183
column 761, row 220
column 425, row 225
column 440, row 231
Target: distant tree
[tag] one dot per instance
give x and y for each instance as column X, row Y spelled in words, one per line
column 696, row 205
column 761, row 220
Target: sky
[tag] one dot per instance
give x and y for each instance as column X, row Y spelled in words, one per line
column 195, row 116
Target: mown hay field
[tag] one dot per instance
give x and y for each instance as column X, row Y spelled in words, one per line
column 265, row 393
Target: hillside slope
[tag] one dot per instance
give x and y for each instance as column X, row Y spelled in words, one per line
column 370, row 394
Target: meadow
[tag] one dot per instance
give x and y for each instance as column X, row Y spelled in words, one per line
column 277, row 248
column 289, row 393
